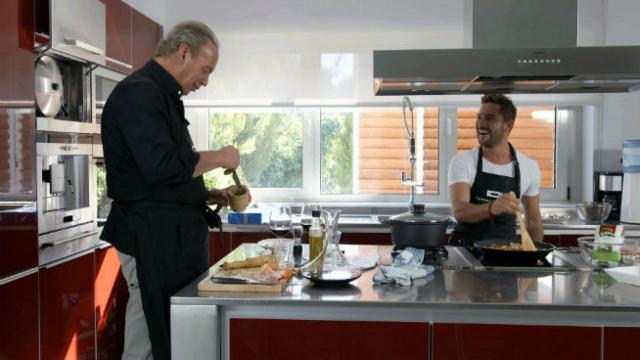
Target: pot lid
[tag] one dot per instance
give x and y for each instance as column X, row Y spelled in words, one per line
column 49, row 87
column 418, row 216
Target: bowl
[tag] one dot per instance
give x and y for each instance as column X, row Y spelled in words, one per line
column 629, row 250
column 239, row 197
column 593, row 211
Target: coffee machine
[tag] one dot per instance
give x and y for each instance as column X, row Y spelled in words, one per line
column 630, row 209
column 607, row 187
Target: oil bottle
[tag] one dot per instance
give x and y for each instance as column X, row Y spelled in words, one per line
column 316, row 242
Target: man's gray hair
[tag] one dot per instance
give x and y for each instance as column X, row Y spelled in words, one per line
column 193, row 33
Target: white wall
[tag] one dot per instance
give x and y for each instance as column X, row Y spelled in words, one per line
column 286, row 50
column 620, row 112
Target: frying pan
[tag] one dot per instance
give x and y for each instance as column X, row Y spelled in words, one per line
column 513, row 257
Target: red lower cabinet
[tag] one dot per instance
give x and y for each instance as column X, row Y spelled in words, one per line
column 111, row 296
column 522, row 342
column 67, row 324
column 313, row 339
column 219, row 246
column 620, row 342
column 19, row 318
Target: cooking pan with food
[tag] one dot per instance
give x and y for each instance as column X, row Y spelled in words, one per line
column 501, row 250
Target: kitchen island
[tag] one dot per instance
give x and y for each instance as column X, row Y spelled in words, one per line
column 452, row 314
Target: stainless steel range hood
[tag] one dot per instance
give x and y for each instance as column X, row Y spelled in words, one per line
column 475, row 71
column 547, row 62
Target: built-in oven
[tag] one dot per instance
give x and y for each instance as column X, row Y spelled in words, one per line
column 66, row 194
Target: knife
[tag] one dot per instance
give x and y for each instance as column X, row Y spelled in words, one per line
column 233, row 280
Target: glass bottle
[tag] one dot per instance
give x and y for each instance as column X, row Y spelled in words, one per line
column 315, row 236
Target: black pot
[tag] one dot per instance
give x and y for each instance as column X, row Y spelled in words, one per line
column 417, row 229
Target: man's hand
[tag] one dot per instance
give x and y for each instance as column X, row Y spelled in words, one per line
column 218, row 196
column 229, row 157
column 505, row 204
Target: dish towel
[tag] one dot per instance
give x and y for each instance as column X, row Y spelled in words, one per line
column 405, row 267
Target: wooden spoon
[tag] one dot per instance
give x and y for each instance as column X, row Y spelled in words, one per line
column 527, row 244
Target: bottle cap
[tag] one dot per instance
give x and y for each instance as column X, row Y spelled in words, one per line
column 315, row 213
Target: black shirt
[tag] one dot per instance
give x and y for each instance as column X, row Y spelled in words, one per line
column 148, row 152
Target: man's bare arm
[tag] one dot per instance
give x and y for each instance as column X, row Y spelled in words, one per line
column 533, row 219
column 465, row 211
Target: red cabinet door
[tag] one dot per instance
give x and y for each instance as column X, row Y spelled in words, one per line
column 240, row 238
column 67, row 324
column 522, row 342
column 145, row 37
column 620, row 342
column 118, row 35
column 18, row 241
column 111, row 296
column 219, row 246
column 366, row 238
column 19, row 314
column 313, row 339
column 17, row 71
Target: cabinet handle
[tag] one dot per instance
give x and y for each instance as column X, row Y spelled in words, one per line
column 72, row 257
column 17, row 276
column 84, row 46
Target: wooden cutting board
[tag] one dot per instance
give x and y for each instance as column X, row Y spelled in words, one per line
column 208, row 287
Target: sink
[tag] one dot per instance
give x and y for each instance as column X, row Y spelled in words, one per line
column 357, row 218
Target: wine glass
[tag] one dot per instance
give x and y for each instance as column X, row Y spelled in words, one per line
column 280, row 226
column 306, row 215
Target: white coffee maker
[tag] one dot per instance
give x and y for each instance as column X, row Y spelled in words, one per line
column 630, row 209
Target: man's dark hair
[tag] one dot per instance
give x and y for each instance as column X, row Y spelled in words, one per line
column 507, row 109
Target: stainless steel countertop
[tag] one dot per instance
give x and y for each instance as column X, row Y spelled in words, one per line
column 514, row 290
column 556, row 221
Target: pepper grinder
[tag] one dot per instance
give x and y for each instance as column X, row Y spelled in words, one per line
column 297, row 245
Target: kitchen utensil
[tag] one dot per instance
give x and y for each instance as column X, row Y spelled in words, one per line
column 525, row 238
column 235, row 177
column 335, row 277
column 49, row 86
column 512, row 257
column 238, row 194
column 417, row 229
column 593, row 211
column 208, row 287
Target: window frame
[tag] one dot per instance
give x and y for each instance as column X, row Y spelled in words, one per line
column 568, row 116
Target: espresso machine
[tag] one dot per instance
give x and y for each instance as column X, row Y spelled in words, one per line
column 607, row 187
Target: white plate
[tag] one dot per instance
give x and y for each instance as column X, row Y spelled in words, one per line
column 625, row 274
column 362, row 262
column 267, row 243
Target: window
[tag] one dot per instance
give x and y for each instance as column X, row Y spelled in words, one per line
column 534, row 134
column 345, row 154
column 365, row 150
column 270, row 144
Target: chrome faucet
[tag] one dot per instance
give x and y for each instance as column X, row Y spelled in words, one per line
column 410, row 180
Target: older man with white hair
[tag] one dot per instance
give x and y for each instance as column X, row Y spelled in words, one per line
column 158, row 221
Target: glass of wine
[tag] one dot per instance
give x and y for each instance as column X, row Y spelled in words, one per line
column 280, row 226
column 306, row 215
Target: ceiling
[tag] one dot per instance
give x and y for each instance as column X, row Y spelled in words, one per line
column 316, row 15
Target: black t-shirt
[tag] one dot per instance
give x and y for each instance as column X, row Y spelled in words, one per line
column 148, row 152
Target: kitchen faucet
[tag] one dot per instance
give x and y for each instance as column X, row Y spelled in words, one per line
column 406, row 103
